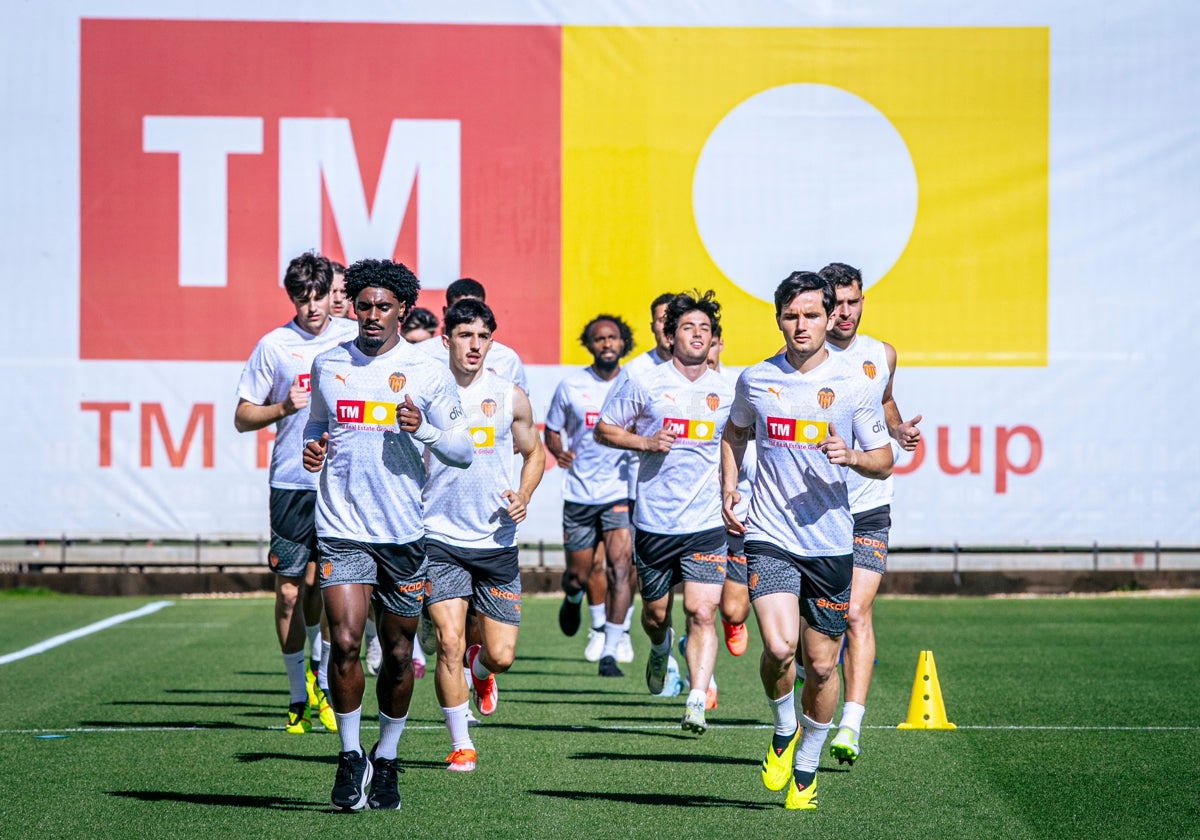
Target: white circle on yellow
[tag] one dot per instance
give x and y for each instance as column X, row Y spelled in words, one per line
column 799, row 176
column 811, row 432
column 701, row 430
column 379, row 413
column 480, row 436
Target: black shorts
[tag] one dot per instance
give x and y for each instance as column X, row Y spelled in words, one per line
column 664, row 560
column 871, row 539
column 396, row 571
column 488, row 579
column 735, row 550
column 293, row 531
column 822, row 584
column 584, row 525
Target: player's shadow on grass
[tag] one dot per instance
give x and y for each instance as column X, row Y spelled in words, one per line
column 590, row 692
column 179, row 703
column 524, row 658
column 607, row 731
column 676, row 800
column 666, row 758
column 528, row 701
column 271, row 692
column 715, row 723
column 331, row 760
column 170, row 724
column 276, row 803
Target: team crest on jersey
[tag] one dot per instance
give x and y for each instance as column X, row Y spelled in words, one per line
column 489, row 407
column 396, row 382
column 713, row 401
column 825, row 397
column 869, row 369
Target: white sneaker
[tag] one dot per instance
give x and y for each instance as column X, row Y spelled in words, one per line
column 374, row 655
column 595, row 645
column 625, row 648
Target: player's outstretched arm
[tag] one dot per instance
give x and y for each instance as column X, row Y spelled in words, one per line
column 610, row 434
column 442, row 427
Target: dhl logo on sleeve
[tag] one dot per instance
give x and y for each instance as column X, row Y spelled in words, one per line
column 483, row 437
column 792, row 430
column 689, row 429
column 366, row 413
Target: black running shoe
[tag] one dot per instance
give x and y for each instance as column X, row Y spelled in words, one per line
column 385, row 794
column 350, row 784
column 569, row 616
column 608, row 667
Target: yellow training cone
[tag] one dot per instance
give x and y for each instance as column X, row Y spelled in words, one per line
column 926, row 709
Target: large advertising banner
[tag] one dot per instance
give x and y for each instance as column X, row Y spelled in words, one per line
column 1018, row 187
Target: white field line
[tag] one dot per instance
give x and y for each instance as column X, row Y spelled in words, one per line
column 62, row 639
column 107, row 730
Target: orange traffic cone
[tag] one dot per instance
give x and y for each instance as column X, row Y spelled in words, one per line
column 926, row 709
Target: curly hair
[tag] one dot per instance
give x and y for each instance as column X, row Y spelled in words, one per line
column 395, row 277
column 622, row 328
column 839, row 275
column 686, row 302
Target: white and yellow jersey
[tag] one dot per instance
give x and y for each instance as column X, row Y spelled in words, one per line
column 867, row 356
column 598, row 474
column 678, row 491
column 464, row 507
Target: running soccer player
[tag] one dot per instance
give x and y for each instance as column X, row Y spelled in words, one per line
column 595, row 491
column 376, row 404
column 870, row 501
column 504, row 361
column 799, row 529
column 471, row 520
column 274, row 390
column 672, row 416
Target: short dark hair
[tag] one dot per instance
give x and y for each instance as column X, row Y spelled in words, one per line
column 385, row 274
column 466, row 310
column 308, row 274
column 799, row 282
column 622, row 328
column 338, row 268
column 665, row 297
column 839, row 275
column 464, row 287
column 419, row 319
column 686, row 302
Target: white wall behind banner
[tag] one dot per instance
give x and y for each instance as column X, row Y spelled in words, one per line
column 1020, row 181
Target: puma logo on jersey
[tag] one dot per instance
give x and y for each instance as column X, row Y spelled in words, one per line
column 778, row 395
column 341, row 379
column 296, row 355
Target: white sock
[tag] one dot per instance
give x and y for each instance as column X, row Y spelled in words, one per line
column 456, row 725
column 313, row 631
column 390, row 730
column 628, row 619
column 597, row 611
column 348, row 725
column 612, row 639
column 696, row 695
column 784, row 712
column 808, row 753
column 323, row 670
column 852, row 715
column 478, row 671
column 296, row 666
column 418, row 654
column 370, row 632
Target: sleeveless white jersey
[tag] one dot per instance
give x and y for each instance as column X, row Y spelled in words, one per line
column 280, row 358
column 637, row 366
column 463, row 507
column 800, row 501
column 679, row 491
column 867, row 355
column 502, row 360
column 599, row 474
column 370, row 487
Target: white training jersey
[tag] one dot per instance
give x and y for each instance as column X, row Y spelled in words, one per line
column 464, row 507
column 678, row 491
column 599, row 474
column 281, row 357
column 746, row 474
column 800, row 501
column 502, row 360
column 370, row 487
column 867, row 355
column 638, row 365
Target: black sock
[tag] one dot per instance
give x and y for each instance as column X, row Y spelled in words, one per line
column 779, row 742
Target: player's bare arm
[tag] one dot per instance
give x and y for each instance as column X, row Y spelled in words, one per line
column 873, row 463
column 733, row 449
column 314, row 453
column 533, row 466
column 905, row 433
column 249, row 417
column 609, row 434
column 563, row 457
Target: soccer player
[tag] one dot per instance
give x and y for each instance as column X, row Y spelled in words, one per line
column 807, row 409
column 274, row 390
column 471, row 520
column 419, row 325
column 378, row 406
column 595, row 491
column 870, row 500
column 503, row 360
column 672, row 416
